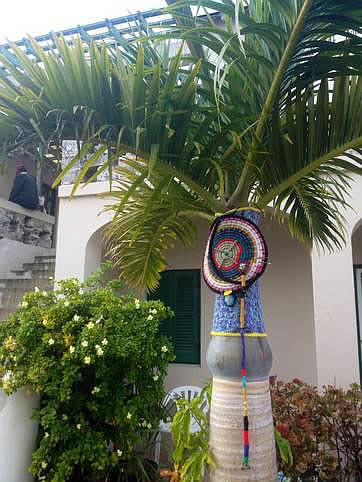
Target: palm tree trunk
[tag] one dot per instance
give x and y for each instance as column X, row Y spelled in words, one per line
column 226, row 418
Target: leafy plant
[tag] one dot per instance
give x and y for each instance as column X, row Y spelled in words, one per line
column 99, row 364
column 191, row 455
column 324, row 431
column 284, row 449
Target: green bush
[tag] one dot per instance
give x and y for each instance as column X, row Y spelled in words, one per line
column 324, row 430
column 99, row 364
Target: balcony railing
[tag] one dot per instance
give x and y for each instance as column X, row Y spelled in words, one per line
column 26, row 226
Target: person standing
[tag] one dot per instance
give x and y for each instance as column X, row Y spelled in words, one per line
column 24, row 191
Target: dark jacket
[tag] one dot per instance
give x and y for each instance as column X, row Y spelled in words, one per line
column 24, row 191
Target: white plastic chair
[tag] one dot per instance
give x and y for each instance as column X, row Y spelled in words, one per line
column 186, row 393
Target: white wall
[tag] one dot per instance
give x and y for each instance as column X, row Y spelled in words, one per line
column 78, row 219
column 287, row 293
column 309, row 308
column 334, row 305
column 286, row 285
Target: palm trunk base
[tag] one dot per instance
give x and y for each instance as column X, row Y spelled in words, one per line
column 226, row 436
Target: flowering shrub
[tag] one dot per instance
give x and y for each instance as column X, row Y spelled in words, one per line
column 323, row 429
column 99, row 364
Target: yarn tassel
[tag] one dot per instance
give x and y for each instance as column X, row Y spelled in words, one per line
column 245, row 461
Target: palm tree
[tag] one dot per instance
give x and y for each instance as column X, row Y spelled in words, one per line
column 263, row 111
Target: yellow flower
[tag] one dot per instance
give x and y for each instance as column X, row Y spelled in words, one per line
column 10, row 343
column 68, row 340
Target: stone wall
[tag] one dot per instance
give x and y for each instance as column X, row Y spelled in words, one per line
column 28, row 227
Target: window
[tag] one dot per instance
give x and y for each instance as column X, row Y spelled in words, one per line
column 180, row 290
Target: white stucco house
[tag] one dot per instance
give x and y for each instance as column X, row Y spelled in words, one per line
column 311, row 300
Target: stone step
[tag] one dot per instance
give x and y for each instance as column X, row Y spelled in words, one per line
column 45, row 266
column 38, row 273
column 45, row 259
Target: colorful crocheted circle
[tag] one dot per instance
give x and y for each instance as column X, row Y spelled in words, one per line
column 235, row 247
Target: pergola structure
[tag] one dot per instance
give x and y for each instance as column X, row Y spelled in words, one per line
column 112, row 32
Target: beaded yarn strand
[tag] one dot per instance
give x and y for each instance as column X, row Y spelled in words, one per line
column 245, row 462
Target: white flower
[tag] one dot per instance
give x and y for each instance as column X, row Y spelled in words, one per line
column 149, row 317
column 104, row 342
column 99, row 320
column 100, row 351
column 51, row 341
column 156, row 377
column 36, row 289
column 87, row 360
column 45, row 293
column 119, row 453
column 84, row 343
column 137, row 303
column 153, row 311
column 44, row 465
column 45, row 322
column 71, row 349
column 164, row 349
column 65, row 417
column 79, row 426
column 149, row 425
column 76, row 318
column 96, row 390
column 24, row 304
column 46, row 435
column 129, row 416
column 7, row 377
column 144, row 423
column 90, row 325
column 81, row 291
column 66, row 303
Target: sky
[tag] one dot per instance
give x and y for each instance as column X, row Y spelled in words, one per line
column 21, row 17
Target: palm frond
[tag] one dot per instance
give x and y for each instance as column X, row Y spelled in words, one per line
column 150, row 215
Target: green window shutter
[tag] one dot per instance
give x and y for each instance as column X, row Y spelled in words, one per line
column 180, row 290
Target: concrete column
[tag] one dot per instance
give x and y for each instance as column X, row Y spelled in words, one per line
column 335, row 317
column 18, row 434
